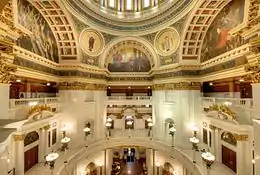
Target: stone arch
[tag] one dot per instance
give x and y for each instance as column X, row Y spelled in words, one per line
column 31, row 138
column 148, row 47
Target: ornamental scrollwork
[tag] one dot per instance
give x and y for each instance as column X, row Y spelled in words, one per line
column 6, row 70
column 38, row 108
column 223, row 109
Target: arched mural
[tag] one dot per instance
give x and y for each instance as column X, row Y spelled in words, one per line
column 42, row 41
column 129, row 59
column 30, row 138
column 218, row 40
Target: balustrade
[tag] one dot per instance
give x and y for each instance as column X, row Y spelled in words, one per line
column 15, row 103
column 243, row 102
column 129, row 98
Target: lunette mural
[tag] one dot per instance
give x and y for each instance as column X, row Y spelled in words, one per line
column 42, row 41
column 218, row 40
column 129, row 59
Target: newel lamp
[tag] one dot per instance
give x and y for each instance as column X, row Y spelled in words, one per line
column 50, row 159
column 65, row 143
column 208, row 159
column 172, row 131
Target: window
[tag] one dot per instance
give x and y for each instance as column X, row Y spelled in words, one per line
column 146, row 3
column 129, row 4
column 112, row 3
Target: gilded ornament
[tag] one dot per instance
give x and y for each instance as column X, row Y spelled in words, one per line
column 178, row 86
column 46, row 127
column 39, row 108
column 81, row 86
column 241, row 137
column 223, row 109
column 254, row 72
column 19, row 137
column 6, row 71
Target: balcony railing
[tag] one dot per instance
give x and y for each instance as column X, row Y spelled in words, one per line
column 243, row 102
column 15, row 103
column 129, row 98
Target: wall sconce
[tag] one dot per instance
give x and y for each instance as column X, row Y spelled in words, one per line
column 65, row 143
column 208, row 159
column 86, row 131
column 150, row 125
column 50, row 159
column 194, row 129
column 64, row 129
column 194, row 141
column 129, row 123
column 172, row 131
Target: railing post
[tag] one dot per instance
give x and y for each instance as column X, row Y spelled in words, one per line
column 45, row 100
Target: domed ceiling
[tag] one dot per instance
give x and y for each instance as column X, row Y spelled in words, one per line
column 124, row 17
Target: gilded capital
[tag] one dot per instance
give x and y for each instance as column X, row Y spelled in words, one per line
column 46, row 127
column 19, row 137
column 241, row 137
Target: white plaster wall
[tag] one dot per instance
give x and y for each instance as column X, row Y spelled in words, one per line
column 184, row 108
column 4, row 101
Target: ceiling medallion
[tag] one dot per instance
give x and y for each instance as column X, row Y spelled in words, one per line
column 91, row 42
column 167, row 41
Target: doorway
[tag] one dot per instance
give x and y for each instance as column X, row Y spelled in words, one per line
column 129, row 155
column 229, row 158
column 30, row 158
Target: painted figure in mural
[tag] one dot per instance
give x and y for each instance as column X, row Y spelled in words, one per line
column 91, row 42
column 41, row 41
column 218, row 39
column 167, row 43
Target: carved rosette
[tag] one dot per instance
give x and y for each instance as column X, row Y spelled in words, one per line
column 254, row 72
column 81, row 86
column 178, row 86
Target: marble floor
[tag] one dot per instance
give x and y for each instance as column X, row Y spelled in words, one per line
column 132, row 168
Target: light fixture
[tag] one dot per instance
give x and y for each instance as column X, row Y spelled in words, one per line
column 65, row 142
column 18, row 80
column 241, row 80
column 194, row 129
column 109, row 120
column 108, row 124
column 175, row 172
column 149, row 87
column 129, row 117
column 87, row 129
column 172, row 131
column 48, row 84
column 147, row 105
column 63, row 130
column 109, row 87
column 129, row 87
column 129, row 122
column 194, row 141
column 149, row 119
column 150, row 124
column 158, row 164
column 50, row 159
column 211, row 84
column 227, row 103
column 208, row 159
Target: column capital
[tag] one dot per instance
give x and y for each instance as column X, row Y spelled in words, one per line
column 19, row 137
column 46, row 127
column 241, row 137
column 212, row 127
column 6, row 71
column 254, row 72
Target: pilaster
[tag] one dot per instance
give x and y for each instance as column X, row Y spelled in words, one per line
column 19, row 152
column 4, row 100
column 243, row 160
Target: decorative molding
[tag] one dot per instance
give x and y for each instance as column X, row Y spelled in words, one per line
column 178, row 86
column 81, row 86
column 19, row 137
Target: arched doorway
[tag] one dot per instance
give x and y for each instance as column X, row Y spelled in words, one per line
column 31, row 155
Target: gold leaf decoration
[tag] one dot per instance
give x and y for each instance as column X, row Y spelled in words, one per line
column 6, row 70
column 38, row 108
column 224, row 109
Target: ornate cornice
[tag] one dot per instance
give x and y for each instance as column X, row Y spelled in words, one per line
column 178, row 86
column 19, row 137
column 81, row 86
column 254, row 72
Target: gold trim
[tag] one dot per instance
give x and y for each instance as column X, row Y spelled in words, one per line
column 19, row 137
column 81, row 86
column 254, row 70
column 38, row 108
column 222, row 108
column 241, row 137
column 46, row 127
column 6, row 71
column 178, row 86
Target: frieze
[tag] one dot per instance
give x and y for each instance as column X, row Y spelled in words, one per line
column 178, row 86
column 168, row 59
column 86, row 59
column 81, row 86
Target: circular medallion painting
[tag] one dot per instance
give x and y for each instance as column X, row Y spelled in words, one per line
column 91, row 42
column 167, row 41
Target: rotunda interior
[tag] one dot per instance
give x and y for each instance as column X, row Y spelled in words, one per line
column 129, row 87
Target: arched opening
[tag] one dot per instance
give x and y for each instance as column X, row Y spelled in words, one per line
column 31, row 146
column 91, row 169
column 167, row 169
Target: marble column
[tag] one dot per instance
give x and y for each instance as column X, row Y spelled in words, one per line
column 256, row 125
column 4, row 101
column 19, row 154
column 3, row 163
column 149, row 161
column 100, row 117
column 256, row 99
column 42, row 143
